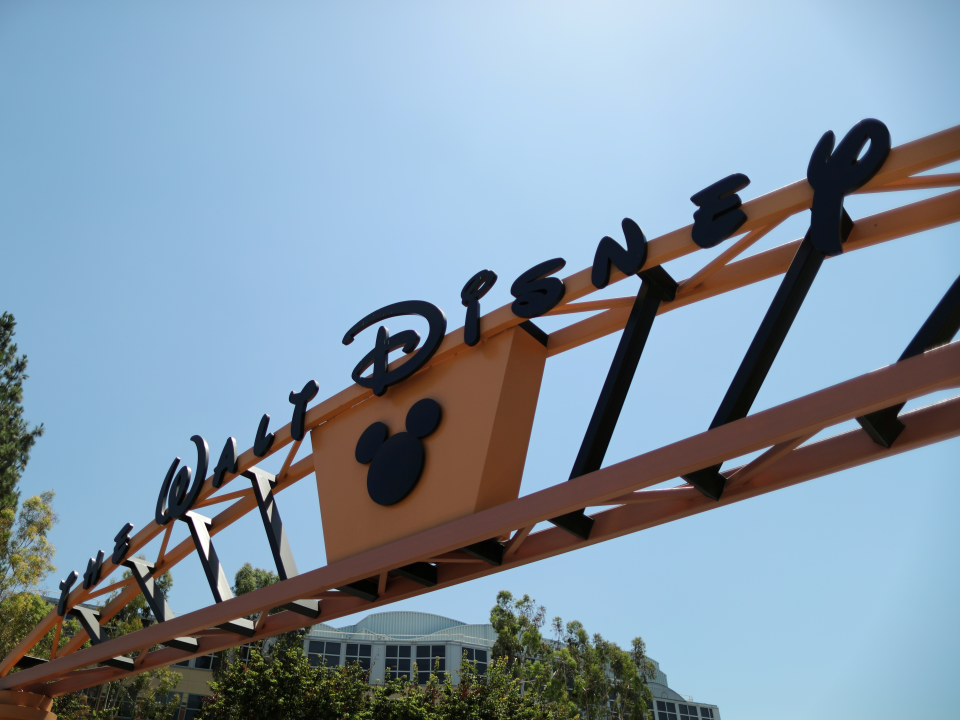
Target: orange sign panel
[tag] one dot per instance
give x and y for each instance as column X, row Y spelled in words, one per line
column 473, row 460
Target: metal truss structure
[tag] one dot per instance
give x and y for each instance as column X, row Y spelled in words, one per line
column 477, row 545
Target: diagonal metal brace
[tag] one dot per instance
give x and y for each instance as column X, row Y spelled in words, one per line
column 883, row 426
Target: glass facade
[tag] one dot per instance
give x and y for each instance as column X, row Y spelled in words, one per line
column 324, row 653
column 398, row 662
column 398, row 647
column 206, row 662
column 667, row 710
column 478, row 656
column 431, row 659
column 358, row 653
column 194, row 703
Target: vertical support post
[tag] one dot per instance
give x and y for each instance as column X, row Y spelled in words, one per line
column 263, row 484
column 142, row 572
column 90, row 622
column 200, row 530
column 761, row 354
column 656, row 286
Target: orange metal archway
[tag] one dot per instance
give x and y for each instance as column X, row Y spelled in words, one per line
column 509, row 361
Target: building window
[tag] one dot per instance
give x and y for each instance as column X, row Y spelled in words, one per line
column 205, row 662
column 689, row 712
column 127, row 704
column 324, row 653
column 478, row 656
column 358, row 654
column 705, row 712
column 666, row 710
column 398, row 662
column 247, row 650
column 427, row 657
column 194, row 703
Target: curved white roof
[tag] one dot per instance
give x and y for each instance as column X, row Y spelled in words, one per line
column 409, row 625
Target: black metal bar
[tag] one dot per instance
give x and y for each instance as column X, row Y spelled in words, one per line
column 240, row 626
column 213, row 569
column 29, row 661
column 535, row 331
column 142, row 572
column 363, row 589
column 421, row 572
column 490, row 551
column 761, row 354
column 263, row 484
column 656, row 286
column 307, row 608
column 90, row 622
column 577, row 523
column 883, row 426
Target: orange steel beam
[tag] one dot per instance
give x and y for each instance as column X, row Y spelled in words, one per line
column 919, row 183
column 923, row 427
column 890, row 225
column 904, row 161
column 935, row 370
column 721, row 260
column 226, row 518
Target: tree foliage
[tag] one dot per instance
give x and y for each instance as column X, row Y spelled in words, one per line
column 143, row 696
column 26, row 558
column 250, row 578
column 16, row 438
column 588, row 673
column 284, row 686
column 76, row 706
column 247, row 579
column 26, row 553
column 21, row 613
column 146, row 696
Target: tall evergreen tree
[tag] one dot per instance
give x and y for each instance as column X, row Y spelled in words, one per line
column 16, row 438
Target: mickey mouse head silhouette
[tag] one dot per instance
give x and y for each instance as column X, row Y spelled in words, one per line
column 396, row 463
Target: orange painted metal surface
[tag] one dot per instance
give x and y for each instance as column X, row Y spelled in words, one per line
column 469, row 488
column 474, row 459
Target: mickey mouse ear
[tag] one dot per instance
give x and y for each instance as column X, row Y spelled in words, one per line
column 423, row 417
column 370, row 441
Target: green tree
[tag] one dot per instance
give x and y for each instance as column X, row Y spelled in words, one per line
column 26, row 553
column 26, row 558
column 145, row 695
column 517, row 623
column 591, row 675
column 76, row 706
column 21, row 613
column 249, row 578
column 16, row 438
column 284, row 686
column 532, row 660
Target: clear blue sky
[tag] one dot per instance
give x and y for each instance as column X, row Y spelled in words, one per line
column 198, row 199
